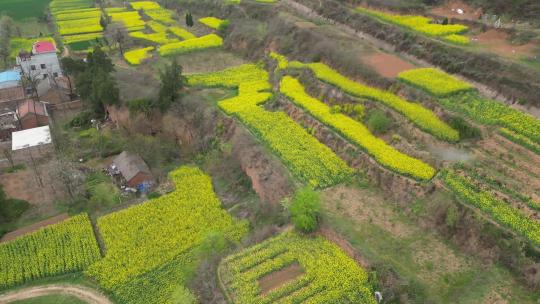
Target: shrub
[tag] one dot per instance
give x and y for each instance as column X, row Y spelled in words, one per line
column 305, row 208
column 465, row 129
column 378, row 122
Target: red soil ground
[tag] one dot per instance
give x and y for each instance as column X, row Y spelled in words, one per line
column 449, row 9
column 497, row 42
column 387, row 65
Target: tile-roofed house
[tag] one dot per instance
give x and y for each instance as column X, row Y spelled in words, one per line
column 133, row 169
column 32, row 114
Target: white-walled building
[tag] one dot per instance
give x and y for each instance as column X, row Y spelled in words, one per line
column 42, row 62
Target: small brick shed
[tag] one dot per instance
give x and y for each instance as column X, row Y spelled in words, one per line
column 133, row 169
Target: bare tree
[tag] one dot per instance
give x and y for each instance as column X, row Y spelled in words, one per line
column 116, row 33
column 32, row 80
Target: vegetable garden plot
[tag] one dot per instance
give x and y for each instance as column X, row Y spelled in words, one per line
column 191, row 45
column 472, row 104
column 307, row 159
column 356, row 132
column 131, row 20
column 500, row 211
column 434, row 81
column 423, row 118
column 213, row 22
column 153, row 38
column 423, row 25
column 330, row 276
column 181, row 33
column 135, row 57
column 145, row 237
column 61, row 248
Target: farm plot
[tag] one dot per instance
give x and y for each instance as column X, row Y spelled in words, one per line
column 498, row 210
column 435, row 81
column 213, row 22
column 155, row 11
column 78, row 22
column 191, row 45
column 61, row 248
column 472, row 104
column 329, row 275
column 136, row 56
column 423, row 118
column 423, row 25
column 23, row 9
column 307, row 159
column 356, row 132
column 158, row 241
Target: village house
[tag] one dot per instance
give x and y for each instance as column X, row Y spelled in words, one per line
column 31, row 143
column 32, row 114
column 10, row 86
column 42, row 62
column 133, row 170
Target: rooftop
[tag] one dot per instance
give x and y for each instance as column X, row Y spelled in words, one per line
column 31, row 107
column 41, row 47
column 9, row 76
column 30, row 138
column 130, row 164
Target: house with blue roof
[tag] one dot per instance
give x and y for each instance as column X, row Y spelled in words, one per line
column 10, row 86
column 9, row 79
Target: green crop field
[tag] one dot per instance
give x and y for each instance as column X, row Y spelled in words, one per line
column 23, row 9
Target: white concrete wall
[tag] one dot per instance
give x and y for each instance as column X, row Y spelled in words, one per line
column 50, row 60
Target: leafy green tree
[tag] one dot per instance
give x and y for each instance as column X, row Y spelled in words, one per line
column 95, row 84
column 71, row 68
column 172, row 82
column 189, row 19
column 304, row 209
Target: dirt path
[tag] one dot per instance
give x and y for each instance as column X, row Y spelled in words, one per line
column 88, row 295
column 20, row 232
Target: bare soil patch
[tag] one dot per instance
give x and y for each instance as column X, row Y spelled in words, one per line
column 279, row 278
column 365, row 207
column 20, row 232
column 450, row 10
column 497, row 42
column 25, row 185
column 387, row 65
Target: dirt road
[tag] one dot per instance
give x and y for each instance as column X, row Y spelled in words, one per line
column 88, row 295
